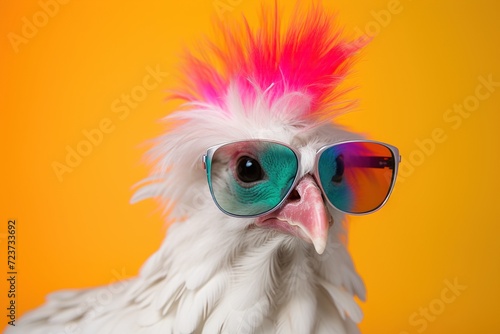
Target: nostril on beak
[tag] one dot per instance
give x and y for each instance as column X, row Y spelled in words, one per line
column 294, row 195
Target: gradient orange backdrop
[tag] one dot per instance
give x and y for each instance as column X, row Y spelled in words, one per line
column 441, row 225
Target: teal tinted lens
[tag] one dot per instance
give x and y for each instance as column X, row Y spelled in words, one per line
column 252, row 177
column 357, row 177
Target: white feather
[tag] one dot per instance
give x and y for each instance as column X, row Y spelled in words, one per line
column 297, row 311
column 168, row 292
column 204, row 300
column 214, row 273
column 346, row 306
column 329, row 320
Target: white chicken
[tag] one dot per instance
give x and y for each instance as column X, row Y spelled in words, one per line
column 258, row 178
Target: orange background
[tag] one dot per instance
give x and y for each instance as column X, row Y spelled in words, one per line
column 441, row 223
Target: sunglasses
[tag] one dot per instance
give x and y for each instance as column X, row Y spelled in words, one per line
column 254, row 177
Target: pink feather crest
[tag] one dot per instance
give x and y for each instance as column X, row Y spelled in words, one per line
column 309, row 57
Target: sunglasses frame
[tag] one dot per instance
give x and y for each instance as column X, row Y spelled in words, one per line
column 207, row 162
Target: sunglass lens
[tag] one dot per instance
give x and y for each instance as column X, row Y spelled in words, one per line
column 357, row 177
column 252, row 177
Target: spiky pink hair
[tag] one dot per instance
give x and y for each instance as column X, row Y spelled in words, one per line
column 309, row 57
column 292, row 73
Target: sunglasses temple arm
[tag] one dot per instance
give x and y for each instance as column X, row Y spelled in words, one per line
column 373, row 162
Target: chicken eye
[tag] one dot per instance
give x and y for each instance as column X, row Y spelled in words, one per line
column 339, row 171
column 249, row 170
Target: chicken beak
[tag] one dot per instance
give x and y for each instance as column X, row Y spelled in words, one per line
column 303, row 214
